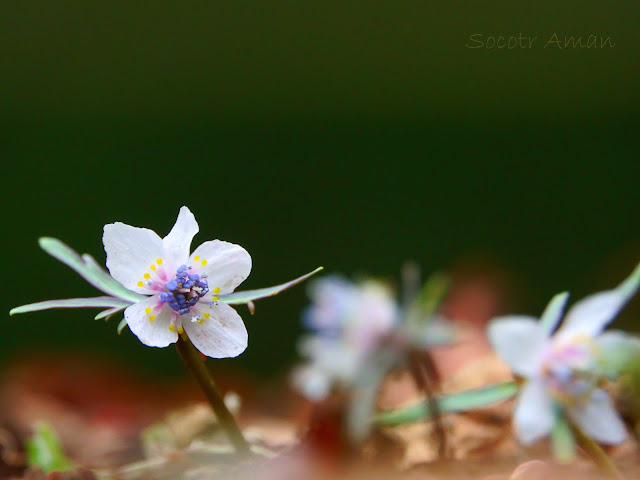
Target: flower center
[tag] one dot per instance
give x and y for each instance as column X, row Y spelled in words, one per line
column 184, row 291
column 568, row 371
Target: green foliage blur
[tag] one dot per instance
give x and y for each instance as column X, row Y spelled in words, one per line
column 352, row 135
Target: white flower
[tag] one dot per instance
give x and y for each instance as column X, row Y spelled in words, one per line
column 563, row 370
column 350, row 320
column 182, row 288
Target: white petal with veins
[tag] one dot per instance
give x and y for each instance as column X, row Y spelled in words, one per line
column 226, row 264
column 154, row 333
column 130, row 253
column 177, row 243
column 220, row 333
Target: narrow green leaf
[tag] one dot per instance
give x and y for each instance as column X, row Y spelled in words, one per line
column 552, row 313
column 121, row 325
column 450, row 403
column 93, row 302
column 238, row 298
column 88, row 269
column 107, row 314
column 563, row 443
column 44, row 450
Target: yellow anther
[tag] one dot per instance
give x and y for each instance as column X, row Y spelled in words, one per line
column 140, row 284
column 203, row 263
column 207, row 315
column 215, row 299
column 172, row 327
column 152, row 267
column 216, row 290
column 200, row 322
column 180, row 330
column 196, row 258
column 147, row 310
column 147, row 276
column 159, row 261
column 152, row 318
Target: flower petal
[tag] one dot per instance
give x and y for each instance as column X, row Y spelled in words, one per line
column 225, row 264
column 154, row 333
column 177, row 243
column 599, row 419
column 592, row 314
column 520, row 341
column 130, row 252
column 222, row 333
column 332, row 298
column 533, row 417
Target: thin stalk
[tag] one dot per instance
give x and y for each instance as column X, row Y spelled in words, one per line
column 599, row 456
column 196, row 366
column 424, row 373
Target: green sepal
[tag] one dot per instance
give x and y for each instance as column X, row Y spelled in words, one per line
column 552, row 313
column 92, row 302
column 239, row 298
column 88, row 269
column 629, row 286
column 121, row 325
column 107, row 314
column 619, row 357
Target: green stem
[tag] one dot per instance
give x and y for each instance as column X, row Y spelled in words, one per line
column 194, row 363
column 599, row 456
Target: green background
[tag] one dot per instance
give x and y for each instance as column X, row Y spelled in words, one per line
column 344, row 134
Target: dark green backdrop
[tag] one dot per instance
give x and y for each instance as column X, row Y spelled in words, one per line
column 349, row 135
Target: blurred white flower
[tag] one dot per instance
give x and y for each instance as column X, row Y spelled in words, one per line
column 349, row 321
column 562, row 371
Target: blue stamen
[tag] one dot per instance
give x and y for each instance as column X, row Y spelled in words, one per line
column 185, row 290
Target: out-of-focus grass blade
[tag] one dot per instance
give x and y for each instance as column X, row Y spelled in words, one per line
column 88, row 269
column 44, row 450
column 450, row 403
column 93, row 302
column 563, row 443
column 238, row 298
